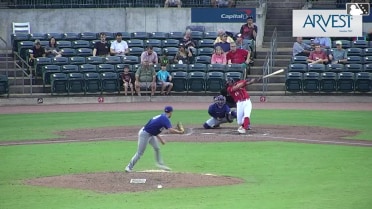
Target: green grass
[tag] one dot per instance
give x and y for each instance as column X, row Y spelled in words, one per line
column 277, row 175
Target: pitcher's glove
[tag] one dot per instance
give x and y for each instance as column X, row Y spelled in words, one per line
column 180, row 127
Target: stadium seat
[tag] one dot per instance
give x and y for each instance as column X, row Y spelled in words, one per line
column 44, row 43
column 319, row 68
column 47, row 70
column 76, row 83
column 135, row 43
column 328, row 82
column 210, row 35
column 120, row 67
column 140, row 35
column 367, row 52
column 345, row 44
column 88, row 68
column 170, row 43
column 367, row 59
column 355, row 52
column 235, row 68
column 297, row 67
column 131, row 60
column 159, row 51
column 363, row 82
column 203, row 59
column 205, row 51
column 18, row 37
column 38, row 36
column 59, row 83
column 92, row 82
column 234, row 75
column 64, row 44
column 40, row 62
column 196, row 82
column 68, row 52
column 110, row 82
column 176, row 35
column 198, row 67
column 84, row 52
column 80, row 44
column 57, row 36
column 197, row 35
column 70, row 69
column 179, row 80
column 293, row 82
column 112, row 60
column 60, row 61
column 136, row 51
column 4, row 85
column 88, row 36
column 311, row 82
column 159, row 35
column 345, row 82
column 94, row 60
column 24, row 47
column 355, row 68
column 336, row 68
column 354, row 60
column 171, row 51
column 216, row 68
column 154, row 42
column 367, row 68
column 299, row 60
column 360, row 44
column 206, row 43
column 76, row 60
column 71, row 36
column 215, row 81
column 101, row 68
column 178, row 68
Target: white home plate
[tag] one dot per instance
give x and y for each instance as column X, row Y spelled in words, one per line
column 208, row 133
column 153, row 171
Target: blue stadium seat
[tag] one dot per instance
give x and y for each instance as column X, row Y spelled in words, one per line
column 4, row 85
column 196, row 81
column 88, row 68
column 39, row 36
column 176, row 35
column 179, row 80
column 88, row 36
column 40, row 62
column 154, row 42
column 299, row 60
column 297, row 67
column 235, row 68
column 76, row 60
column 355, row 52
column 135, row 43
column 70, row 69
column 210, row 35
column 84, row 52
column 355, row 68
column 367, row 52
column 71, row 36
column 92, row 82
column 363, row 82
column 109, row 35
column 57, row 36
column 197, row 35
column 205, row 51
column 24, row 47
column 159, row 35
column 203, row 59
column 113, row 60
column 76, row 83
column 328, row 82
column 18, row 37
column 178, row 68
column 367, row 59
column 59, row 83
column 106, row 68
column 131, row 60
column 208, row 43
column 171, row 51
column 124, row 35
column 64, row 44
column 94, row 60
column 360, row 44
column 367, row 68
column 354, row 60
column 293, row 82
column 136, row 51
column 319, row 68
column 311, row 82
column 345, row 82
column 68, row 52
column 215, row 81
column 235, row 75
column 47, row 70
column 198, row 67
column 110, row 82
column 336, row 68
column 60, row 61
column 140, row 35
column 158, row 50
column 216, row 68
column 170, row 43
column 81, row 44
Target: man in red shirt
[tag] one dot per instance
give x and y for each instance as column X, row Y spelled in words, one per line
column 237, row 90
column 238, row 56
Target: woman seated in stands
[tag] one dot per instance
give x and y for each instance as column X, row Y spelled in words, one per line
column 184, row 55
column 219, row 56
column 173, row 3
column 187, row 40
column 52, row 49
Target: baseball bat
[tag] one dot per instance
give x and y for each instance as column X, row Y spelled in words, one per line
column 274, row 73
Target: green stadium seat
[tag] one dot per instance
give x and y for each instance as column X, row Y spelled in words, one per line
column 215, row 81
column 110, row 82
column 159, row 35
column 154, row 43
column 77, row 60
column 81, row 44
column 319, row 68
column 135, row 43
column 216, row 68
column 4, row 85
column 88, row 68
column 328, row 82
column 179, row 80
column 59, row 83
column 294, row 82
column 363, row 82
column 76, row 83
column 179, row 68
column 84, row 52
column 311, row 82
column 345, row 81
column 68, row 52
column 47, row 70
column 70, row 69
column 92, row 82
column 170, row 43
column 196, row 82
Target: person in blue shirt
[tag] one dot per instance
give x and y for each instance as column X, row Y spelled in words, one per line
column 149, row 134
column 164, row 79
column 220, row 113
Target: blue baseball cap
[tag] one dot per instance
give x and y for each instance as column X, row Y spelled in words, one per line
column 168, row 109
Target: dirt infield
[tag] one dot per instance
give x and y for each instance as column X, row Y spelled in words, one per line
column 112, row 182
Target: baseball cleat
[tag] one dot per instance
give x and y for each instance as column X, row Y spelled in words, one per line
column 163, row 167
column 128, row 170
column 241, row 130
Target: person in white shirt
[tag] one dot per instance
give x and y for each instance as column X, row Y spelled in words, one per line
column 119, row 47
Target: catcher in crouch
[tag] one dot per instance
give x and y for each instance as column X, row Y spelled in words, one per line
column 220, row 113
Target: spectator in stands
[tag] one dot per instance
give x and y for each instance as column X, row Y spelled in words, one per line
column 238, row 56
column 219, row 56
column 338, row 55
column 318, row 56
column 52, row 49
column 102, row 48
column 149, row 56
column 243, row 43
column 184, row 55
column 324, row 42
column 145, row 78
column 300, row 48
column 36, row 51
column 164, row 60
column 165, row 80
column 220, row 34
column 224, row 44
column 173, row 3
column 126, row 77
column 249, row 30
column 223, row 3
column 119, row 47
column 187, row 39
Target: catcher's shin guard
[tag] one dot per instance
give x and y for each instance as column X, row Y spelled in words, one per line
column 206, row 126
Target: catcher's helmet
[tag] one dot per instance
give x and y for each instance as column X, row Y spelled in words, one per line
column 230, row 81
column 220, row 100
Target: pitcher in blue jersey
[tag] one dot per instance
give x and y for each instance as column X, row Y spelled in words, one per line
column 220, row 113
column 150, row 134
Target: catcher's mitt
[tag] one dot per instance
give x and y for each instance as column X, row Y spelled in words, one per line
column 229, row 117
column 180, row 127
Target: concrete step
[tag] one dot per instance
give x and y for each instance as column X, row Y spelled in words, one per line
column 279, row 33
column 279, row 21
column 280, row 39
column 284, row 10
column 281, row 16
column 295, row 5
column 279, row 27
column 279, row 44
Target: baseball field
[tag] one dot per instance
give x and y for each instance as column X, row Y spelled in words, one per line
column 297, row 156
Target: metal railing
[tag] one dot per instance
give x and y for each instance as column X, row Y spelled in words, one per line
column 6, row 55
column 21, row 64
column 269, row 63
